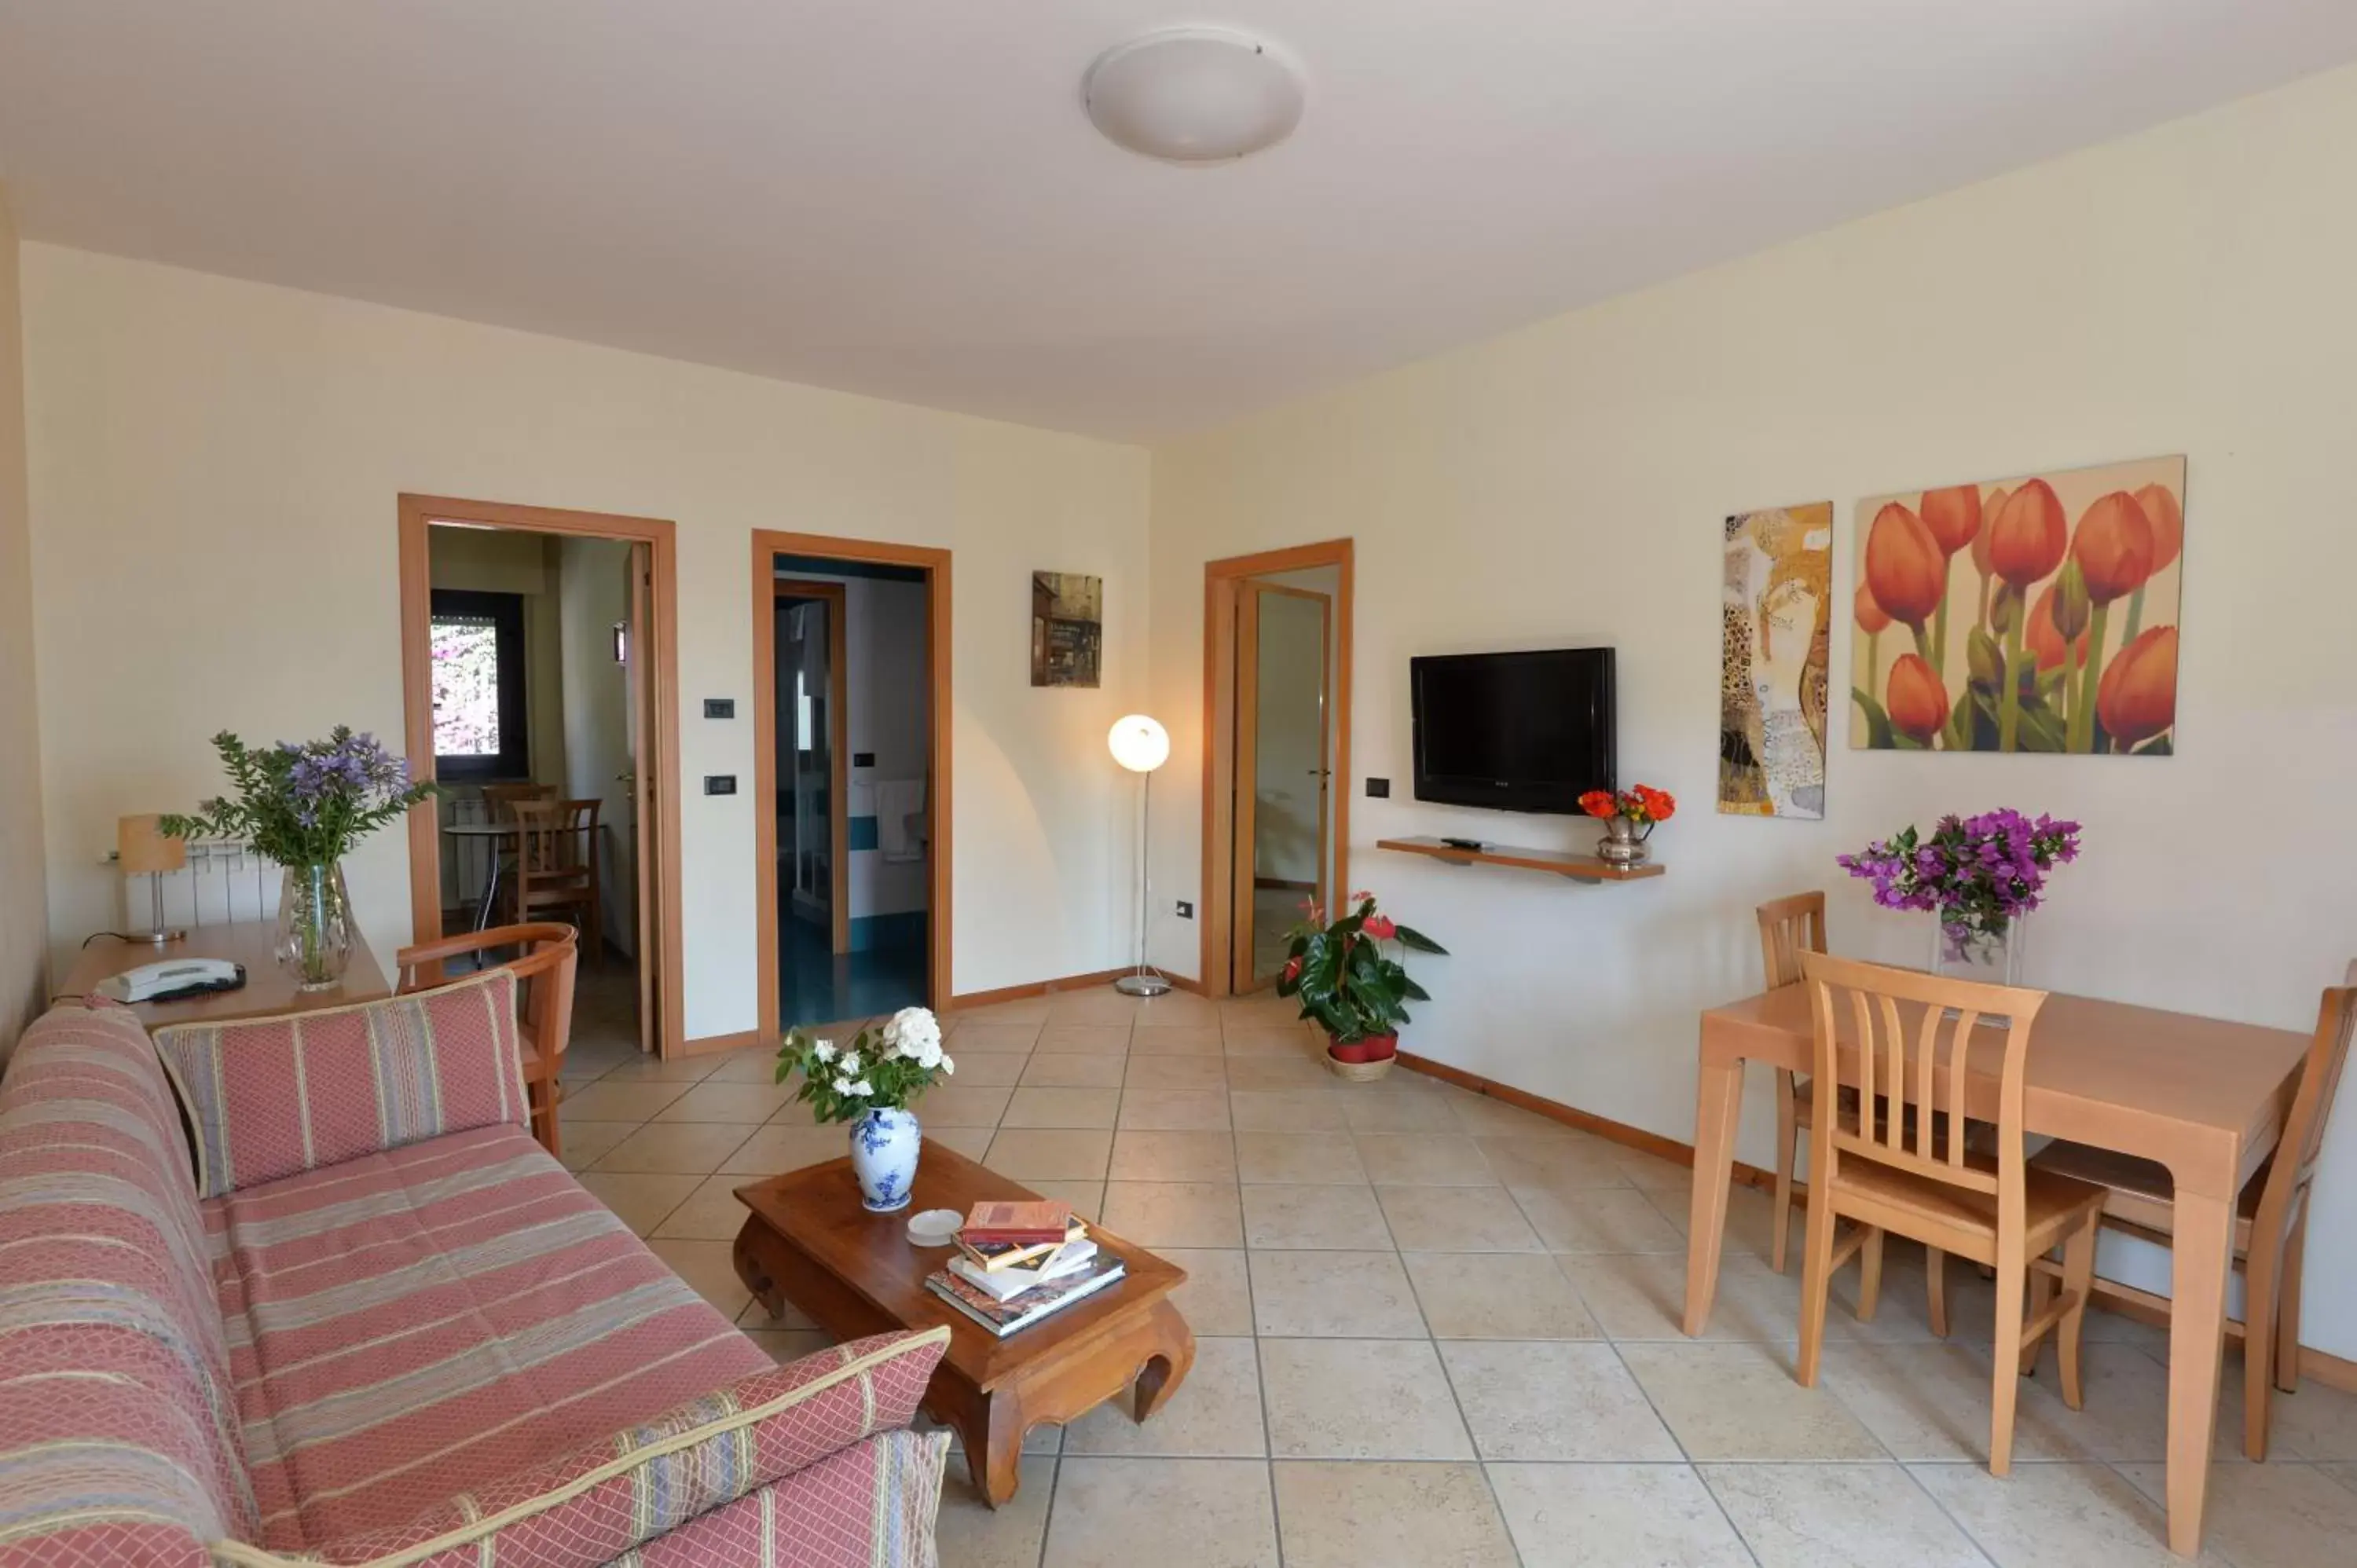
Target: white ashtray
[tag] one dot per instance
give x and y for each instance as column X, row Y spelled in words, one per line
column 934, row 1226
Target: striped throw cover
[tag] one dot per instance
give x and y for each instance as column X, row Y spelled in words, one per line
column 611, row 1496
column 119, row 1443
column 867, row 1507
column 273, row 1097
column 409, row 1326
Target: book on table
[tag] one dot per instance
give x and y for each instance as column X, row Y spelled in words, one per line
column 1018, row 1224
column 1020, row 1310
column 997, row 1254
column 1002, row 1284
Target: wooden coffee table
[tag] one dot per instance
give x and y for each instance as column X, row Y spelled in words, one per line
column 810, row 1241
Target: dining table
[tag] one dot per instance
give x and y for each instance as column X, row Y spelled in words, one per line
column 2205, row 1097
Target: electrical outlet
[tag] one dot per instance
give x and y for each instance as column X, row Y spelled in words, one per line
column 719, row 707
column 1186, row 910
column 1379, row 789
column 720, row 783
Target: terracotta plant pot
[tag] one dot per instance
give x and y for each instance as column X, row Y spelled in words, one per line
column 1374, row 1048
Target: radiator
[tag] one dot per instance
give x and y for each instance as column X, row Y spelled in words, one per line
column 224, row 880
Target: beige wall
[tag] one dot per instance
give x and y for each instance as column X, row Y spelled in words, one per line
column 23, row 950
column 213, row 472
column 593, row 592
column 2187, row 291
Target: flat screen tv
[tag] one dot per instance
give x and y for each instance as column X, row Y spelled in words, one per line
column 1517, row 732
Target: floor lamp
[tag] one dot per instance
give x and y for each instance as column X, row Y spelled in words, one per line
column 1141, row 746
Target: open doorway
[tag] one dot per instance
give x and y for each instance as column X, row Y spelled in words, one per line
column 537, row 669
column 1276, row 746
column 851, row 704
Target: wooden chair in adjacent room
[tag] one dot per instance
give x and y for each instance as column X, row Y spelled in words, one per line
column 557, row 864
column 2270, row 1223
column 544, row 964
column 1902, row 1173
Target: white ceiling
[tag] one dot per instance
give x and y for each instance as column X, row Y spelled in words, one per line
column 903, row 197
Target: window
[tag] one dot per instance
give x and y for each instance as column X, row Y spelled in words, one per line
column 479, row 712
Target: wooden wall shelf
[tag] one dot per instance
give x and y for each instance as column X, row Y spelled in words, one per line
column 1562, row 863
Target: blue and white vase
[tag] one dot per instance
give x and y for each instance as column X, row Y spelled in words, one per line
column 884, row 1144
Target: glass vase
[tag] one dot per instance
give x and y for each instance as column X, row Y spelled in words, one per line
column 315, row 925
column 1967, row 950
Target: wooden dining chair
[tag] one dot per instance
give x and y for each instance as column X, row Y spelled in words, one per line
column 557, row 864
column 1904, row 1173
column 2270, row 1220
column 545, row 966
column 1789, row 927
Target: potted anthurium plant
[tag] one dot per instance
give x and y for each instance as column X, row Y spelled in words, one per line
column 304, row 807
column 869, row 1083
column 1352, row 984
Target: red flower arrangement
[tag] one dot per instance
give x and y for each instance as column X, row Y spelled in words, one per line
column 1639, row 803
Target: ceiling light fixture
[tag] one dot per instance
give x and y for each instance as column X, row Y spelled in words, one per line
column 1193, row 95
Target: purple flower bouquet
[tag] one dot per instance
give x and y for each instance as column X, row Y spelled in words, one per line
column 1978, row 875
column 304, row 807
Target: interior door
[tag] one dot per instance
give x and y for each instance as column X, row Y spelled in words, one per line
column 1283, row 770
column 645, row 692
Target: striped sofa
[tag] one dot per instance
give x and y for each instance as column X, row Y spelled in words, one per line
column 437, row 1353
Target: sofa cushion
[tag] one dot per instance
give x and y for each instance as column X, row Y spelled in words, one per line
column 409, row 1325
column 271, row 1097
column 634, row 1486
column 117, row 1416
column 869, row 1507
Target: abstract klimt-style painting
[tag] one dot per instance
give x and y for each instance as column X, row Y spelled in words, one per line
column 1773, row 653
column 1067, row 629
column 2034, row 614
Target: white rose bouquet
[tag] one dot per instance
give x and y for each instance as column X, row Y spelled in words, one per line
column 881, row 1070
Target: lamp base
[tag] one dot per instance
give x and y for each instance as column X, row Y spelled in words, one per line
column 161, row 938
column 1142, row 985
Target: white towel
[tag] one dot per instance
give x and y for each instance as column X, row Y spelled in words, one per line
column 900, row 818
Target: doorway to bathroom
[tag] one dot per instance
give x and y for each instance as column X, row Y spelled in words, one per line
column 850, row 704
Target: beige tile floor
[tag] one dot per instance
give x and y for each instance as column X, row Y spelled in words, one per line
column 1434, row 1329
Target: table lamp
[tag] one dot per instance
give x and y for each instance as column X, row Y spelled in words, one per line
column 1141, row 746
column 142, row 850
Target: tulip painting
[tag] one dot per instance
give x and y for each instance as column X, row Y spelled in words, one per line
column 2032, row 614
column 1775, row 661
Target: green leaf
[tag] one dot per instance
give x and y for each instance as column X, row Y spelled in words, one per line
column 1879, row 734
column 1412, row 937
column 2158, row 746
column 1410, row 989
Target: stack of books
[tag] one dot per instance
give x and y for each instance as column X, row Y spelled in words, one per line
column 1018, row 1263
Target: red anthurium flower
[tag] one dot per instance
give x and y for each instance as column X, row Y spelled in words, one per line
column 1292, row 970
column 1380, row 926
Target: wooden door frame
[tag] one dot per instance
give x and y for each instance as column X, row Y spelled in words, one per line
column 1222, row 590
column 417, row 512
column 838, row 737
column 1245, row 827
column 768, row 545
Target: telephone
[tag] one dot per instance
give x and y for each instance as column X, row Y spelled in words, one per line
column 172, row 979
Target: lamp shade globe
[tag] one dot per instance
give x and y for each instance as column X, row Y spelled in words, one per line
column 1138, row 742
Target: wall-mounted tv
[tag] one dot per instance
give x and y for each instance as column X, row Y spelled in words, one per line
column 1517, row 732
